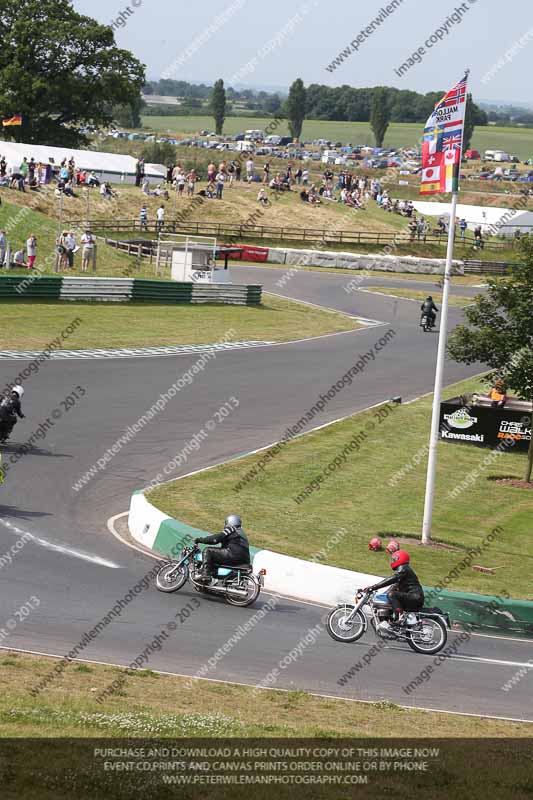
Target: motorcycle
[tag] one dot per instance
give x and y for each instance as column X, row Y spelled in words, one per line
column 427, row 322
column 425, row 631
column 236, row 584
column 5, row 430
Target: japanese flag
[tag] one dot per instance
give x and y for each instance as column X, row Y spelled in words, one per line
column 431, row 174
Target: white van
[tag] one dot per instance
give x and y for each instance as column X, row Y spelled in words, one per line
column 245, row 147
column 254, row 136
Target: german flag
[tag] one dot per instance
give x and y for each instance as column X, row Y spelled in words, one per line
column 16, row 120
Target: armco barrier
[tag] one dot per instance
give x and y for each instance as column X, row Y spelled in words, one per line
column 123, row 290
column 118, row 290
column 30, row 287
column 326, row 585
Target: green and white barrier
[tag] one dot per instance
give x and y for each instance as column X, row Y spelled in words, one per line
column 124, row 290
column 328, row 586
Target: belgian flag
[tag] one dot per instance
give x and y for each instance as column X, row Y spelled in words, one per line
column 16, row 120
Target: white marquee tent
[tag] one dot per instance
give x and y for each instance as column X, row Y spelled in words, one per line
column 498, row 221
column 109, row 166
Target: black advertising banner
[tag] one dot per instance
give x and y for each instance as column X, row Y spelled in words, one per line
column 485, row 426
column 262, row 769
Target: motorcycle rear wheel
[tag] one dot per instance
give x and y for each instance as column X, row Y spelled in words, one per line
column 250, row 585
column 341, row 631
column 429, row 636
column 175, row 582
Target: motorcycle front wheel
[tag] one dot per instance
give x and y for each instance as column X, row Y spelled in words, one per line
column 429, row 636
column 341, row 630
column 171, row 578
column 244, row 592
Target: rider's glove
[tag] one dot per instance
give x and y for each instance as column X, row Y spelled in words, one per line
column 229, row 529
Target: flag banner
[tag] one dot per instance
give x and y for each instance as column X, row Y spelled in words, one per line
column 16, row 120
column 443, row 142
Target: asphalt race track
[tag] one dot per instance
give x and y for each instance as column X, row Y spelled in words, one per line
column 79, row 571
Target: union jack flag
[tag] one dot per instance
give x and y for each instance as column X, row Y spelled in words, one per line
column 452, row 142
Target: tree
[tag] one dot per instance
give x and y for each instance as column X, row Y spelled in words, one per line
column 500, row 331
column 474, row 115
column 61, row 70
column 380, row 115
column 217, row 104
column 295, row 108
column 129, row 116
column 159, row 153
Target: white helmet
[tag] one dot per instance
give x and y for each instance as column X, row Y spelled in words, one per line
column 19, row 390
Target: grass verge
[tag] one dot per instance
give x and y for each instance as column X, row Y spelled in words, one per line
column 32, row 325
column 414, row 294
column 378, row 490
column 152, row 705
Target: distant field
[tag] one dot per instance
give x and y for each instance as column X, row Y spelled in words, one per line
column 518, row 141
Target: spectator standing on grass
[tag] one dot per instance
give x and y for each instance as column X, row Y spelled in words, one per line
column 69, row 243
column 3, row 248
column 31, row 249
column 231, row 174
column 298, row 176
column 463, row 225
column 23, row 169
column 211, row 172
column 143, row 218
column 305, row 176
column 220, row 178
column 160, row 218
column 250, row 170
column 3, row 166
column 238, row 170
column 266, row 172
column 88, row 241
column 478, row 238
column 191, row 183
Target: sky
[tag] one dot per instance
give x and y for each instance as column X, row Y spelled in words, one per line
column 269, row 44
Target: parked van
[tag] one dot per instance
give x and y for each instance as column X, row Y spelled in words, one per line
column 254, row 136
column 244, row 147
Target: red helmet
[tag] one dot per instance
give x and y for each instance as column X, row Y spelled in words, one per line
column 399, row 559
column 375, row 543
column 392, row 546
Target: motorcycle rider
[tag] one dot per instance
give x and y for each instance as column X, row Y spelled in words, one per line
column 408, row 594
column 235, row 548
column 10, row 408
column 430, row 310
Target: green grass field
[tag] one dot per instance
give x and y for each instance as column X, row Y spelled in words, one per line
column 517, row 141
column 32, row 324
column 367, row 498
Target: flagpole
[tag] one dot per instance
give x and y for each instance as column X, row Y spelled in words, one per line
column 435, row 418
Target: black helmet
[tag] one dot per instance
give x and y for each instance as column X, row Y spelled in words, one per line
column 233, row 521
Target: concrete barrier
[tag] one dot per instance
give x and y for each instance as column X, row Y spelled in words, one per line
column 328, row 586
column 360, row 261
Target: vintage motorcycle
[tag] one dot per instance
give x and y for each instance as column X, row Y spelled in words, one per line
column 427, row 323
column 236, row 584
column 424, row 631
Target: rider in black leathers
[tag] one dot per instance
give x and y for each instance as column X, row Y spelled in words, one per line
column 430, row 309
column 235, row 548
column 408, row 594
column 10, row 409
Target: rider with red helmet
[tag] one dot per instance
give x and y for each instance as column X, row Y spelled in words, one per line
column 407, row 594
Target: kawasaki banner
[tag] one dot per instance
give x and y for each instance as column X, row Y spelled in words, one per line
column 485, row 426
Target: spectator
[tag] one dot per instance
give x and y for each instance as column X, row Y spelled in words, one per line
column 3, row 247
column 498, row 394
column 143, row 218
column 220, row 178
column 191, row 182
column 31, row 171
column 478, row 238
column 3, row 167
column 88, row 241
column 262, row 197
column 31, row 249
column 211, row 172
column 160, row 218
column 298, row 176
column 250, row 170
column 238, row 170
column 231, row 174
column 92, row 180
column 18, row 259
column 61, row 252
column 305, row 177
column 24, row 169
column 69, row 243
column 17, row 179
column 266, row 172
column 463, row 225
